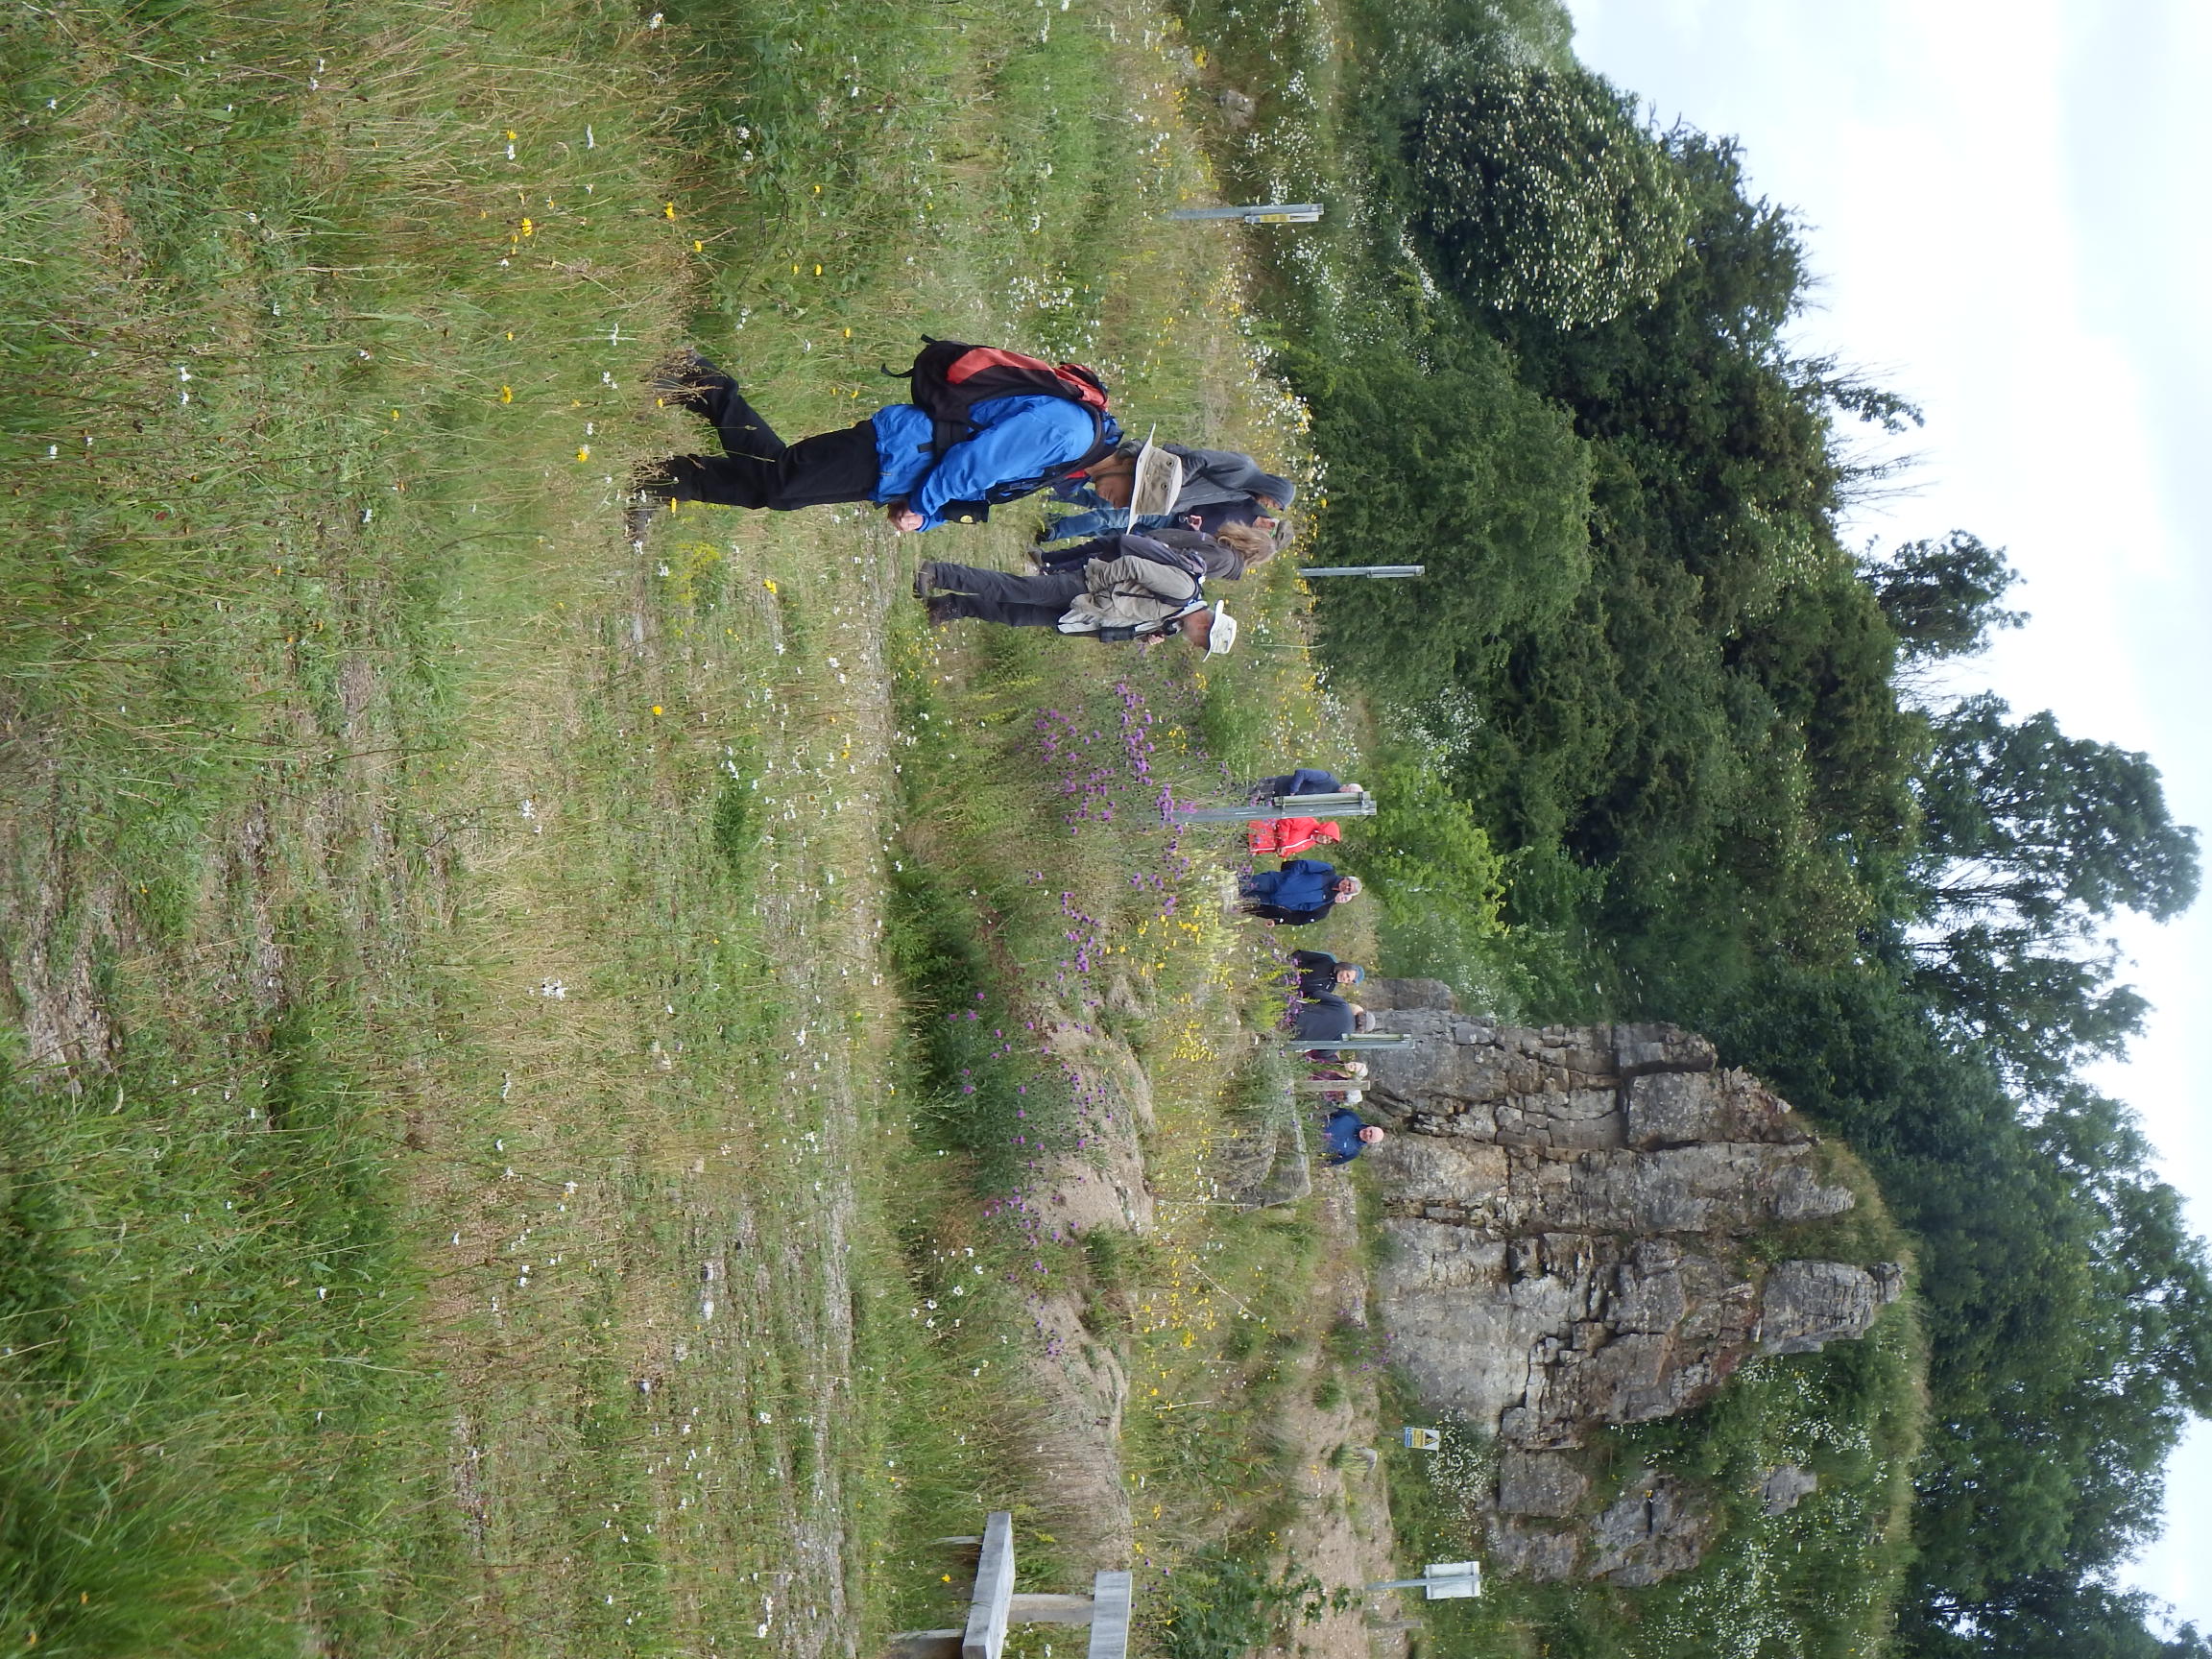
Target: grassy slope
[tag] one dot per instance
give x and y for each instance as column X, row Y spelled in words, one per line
column 457, row 1194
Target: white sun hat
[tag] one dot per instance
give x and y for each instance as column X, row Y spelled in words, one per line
column 1155, row 482
column 1223, row 633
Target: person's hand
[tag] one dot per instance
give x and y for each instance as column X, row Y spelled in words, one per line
column 902, row 518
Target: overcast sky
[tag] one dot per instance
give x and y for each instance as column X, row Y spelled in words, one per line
column 2006, row 205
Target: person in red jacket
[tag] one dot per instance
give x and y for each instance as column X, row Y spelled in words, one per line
column 1289, row 836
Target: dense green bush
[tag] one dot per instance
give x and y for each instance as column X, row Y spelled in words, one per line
column 1458, row 467
column 1548, row 196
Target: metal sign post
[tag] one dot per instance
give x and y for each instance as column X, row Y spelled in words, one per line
column 1257, row 213
column 1363, row 570
column 1441, row 1581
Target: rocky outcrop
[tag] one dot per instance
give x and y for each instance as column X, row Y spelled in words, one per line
column 1781, row 1489
column 1569, row 1215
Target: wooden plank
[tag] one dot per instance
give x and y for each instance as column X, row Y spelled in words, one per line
column 1109, row 1595
column 986, row 1636
column 1037, row 1609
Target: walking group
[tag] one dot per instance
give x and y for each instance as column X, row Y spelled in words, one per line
column 1146, row 527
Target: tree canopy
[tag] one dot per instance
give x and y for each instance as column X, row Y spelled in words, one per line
column 1940, row 596
column 1540, row 184
column 1697, row 729
column 1702, row 741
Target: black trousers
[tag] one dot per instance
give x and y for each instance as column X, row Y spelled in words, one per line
column 1000, row 596
column 760, row 469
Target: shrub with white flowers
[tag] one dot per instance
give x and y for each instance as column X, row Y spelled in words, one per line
column 1554, row 200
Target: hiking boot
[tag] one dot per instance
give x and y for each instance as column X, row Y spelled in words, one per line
column 925, row 580
column 941, row 610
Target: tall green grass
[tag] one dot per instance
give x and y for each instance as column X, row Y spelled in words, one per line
column 203, row 1305
column 339, row 726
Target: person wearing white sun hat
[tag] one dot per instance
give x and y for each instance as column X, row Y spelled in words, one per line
column 1113, row 600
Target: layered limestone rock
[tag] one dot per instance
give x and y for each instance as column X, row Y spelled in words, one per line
column 1569, row 1212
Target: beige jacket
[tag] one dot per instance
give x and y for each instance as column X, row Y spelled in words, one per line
column 1130, row 593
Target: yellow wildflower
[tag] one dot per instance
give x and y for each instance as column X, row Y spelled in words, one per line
column 506, row 393
column 584, row 452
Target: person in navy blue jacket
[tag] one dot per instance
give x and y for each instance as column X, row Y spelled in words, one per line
column 1303, row 891
column 1305, row 781
column 1329, row 1015
column 1346, row 1135
column 889, row 459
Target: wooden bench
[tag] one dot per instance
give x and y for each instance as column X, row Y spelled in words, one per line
column 993, row 1605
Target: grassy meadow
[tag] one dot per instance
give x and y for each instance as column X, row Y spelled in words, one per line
column 471, row 1178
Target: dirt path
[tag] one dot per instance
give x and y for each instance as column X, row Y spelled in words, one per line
column 1343, row 1534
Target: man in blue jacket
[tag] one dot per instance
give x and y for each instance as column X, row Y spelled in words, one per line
column 1346, row 1135
column 889, row 459
column 1303, row 891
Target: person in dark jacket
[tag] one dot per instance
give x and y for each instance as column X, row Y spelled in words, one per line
column 1346, row 1135
column 889, row 459
column 1130, row 597
column 1329, row 1015
column 1224, row 558
column 1305, row 781
column 1302, row 892
column 1216, row 483
column 1320, row 973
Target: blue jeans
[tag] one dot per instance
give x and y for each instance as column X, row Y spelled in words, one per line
column 1105, row 521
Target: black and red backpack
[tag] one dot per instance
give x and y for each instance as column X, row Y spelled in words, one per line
column 951, row 377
